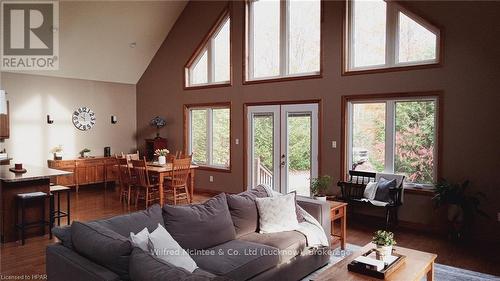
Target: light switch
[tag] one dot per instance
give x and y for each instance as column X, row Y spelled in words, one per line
column 334, row 144
column 237, row 141
column 211, row 179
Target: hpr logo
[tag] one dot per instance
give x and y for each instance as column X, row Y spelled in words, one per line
column 30, row 35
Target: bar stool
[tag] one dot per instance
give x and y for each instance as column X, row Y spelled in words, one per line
column 22, row 199
column 56, row 191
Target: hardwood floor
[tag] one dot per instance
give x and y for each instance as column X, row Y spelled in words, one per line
column 94, row 203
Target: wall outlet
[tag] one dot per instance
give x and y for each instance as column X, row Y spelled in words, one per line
column 334, row 144
column 211, row 179
column 237, row 141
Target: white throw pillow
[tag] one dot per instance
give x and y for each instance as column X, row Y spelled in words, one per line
column 277, row 214
column 140, row 239
column 164, row 246
column 370, row 190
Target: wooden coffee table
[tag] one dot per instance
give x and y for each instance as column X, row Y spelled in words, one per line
column 417, row 265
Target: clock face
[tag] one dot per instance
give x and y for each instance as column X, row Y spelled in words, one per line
column 84, row 118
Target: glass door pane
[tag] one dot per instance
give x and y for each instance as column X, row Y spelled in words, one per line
column 299, row 153
column 263, row 149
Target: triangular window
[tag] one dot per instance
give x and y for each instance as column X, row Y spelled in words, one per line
column 383, row 34
column 210, row 64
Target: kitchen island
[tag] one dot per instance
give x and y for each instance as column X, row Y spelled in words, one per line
column 11, row 184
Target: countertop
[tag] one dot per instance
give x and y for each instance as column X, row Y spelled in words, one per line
column 33, row 173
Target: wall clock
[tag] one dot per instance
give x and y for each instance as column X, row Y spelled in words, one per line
column 84, row 118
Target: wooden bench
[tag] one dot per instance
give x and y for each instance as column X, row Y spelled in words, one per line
column 353, row 190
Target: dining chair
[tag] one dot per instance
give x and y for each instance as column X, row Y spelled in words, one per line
column 176, row 188
column 125, row 178
column 131, row 156
column 144, row 188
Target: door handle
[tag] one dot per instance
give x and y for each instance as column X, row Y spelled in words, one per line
column 283, row 160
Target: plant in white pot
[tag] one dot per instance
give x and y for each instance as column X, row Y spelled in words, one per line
column 162, row 156
column 319, row 187
column 384, row 241
column 58, row 152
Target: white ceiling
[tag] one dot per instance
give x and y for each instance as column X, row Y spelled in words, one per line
column 95, row 37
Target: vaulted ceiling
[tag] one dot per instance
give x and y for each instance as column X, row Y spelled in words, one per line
column 111, row 41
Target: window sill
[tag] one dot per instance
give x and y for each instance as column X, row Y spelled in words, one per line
column 283, row 79
column 208, row 86
column 214, row 169
column 390, row 69
column 420, row 191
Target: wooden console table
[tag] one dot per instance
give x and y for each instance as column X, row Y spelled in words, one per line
column 338, row 211
column 86, row 171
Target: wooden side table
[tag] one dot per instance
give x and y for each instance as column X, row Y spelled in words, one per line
column 338, row 211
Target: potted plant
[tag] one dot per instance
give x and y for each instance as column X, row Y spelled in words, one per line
column 319, row 187
column 85, row 153
column 162, row 156
column 384, row 241
column 461, row 205
column 57, row 152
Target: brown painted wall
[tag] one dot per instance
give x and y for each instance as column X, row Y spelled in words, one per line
column 469, row 80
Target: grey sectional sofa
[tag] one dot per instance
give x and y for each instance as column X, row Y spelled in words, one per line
column 225, row 227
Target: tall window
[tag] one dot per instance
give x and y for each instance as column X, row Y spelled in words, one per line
column 208, row 135
column 283, row 38
column 382, row 34
column 394, row 136
column 210, row 65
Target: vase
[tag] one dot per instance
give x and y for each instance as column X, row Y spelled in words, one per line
column 162, row 160
column 58, row 155
column 383, row 252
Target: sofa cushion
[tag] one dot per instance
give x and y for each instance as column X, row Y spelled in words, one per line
column 163, row 246
column 238, row 260
column 277, row 213
column 134, row 222
column 145, row 267
column 63, row 233
column 244, row 211
column 103, row 246
column 200, row 226
column 290, row 243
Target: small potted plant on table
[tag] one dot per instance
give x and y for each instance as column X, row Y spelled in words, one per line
column 162, row 156
column 58, row 152
column 319, row 187
column 85, row 153
column 384, row 241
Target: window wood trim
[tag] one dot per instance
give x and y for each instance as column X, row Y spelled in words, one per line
column 345, row 71
column 294, row 77
column 344, row 141
column 186, row 109
column 226, row 13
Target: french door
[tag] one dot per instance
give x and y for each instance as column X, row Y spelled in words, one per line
column 282, row 146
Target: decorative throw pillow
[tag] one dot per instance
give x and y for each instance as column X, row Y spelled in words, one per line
column 140, row 239
column 370, row 190
column 277, row 214
column 243, row 212
column 383, row 189
column 300, row 217
column 200, row 226
column 164, row 246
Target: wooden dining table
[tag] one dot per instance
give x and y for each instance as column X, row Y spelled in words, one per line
column 164, row 171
